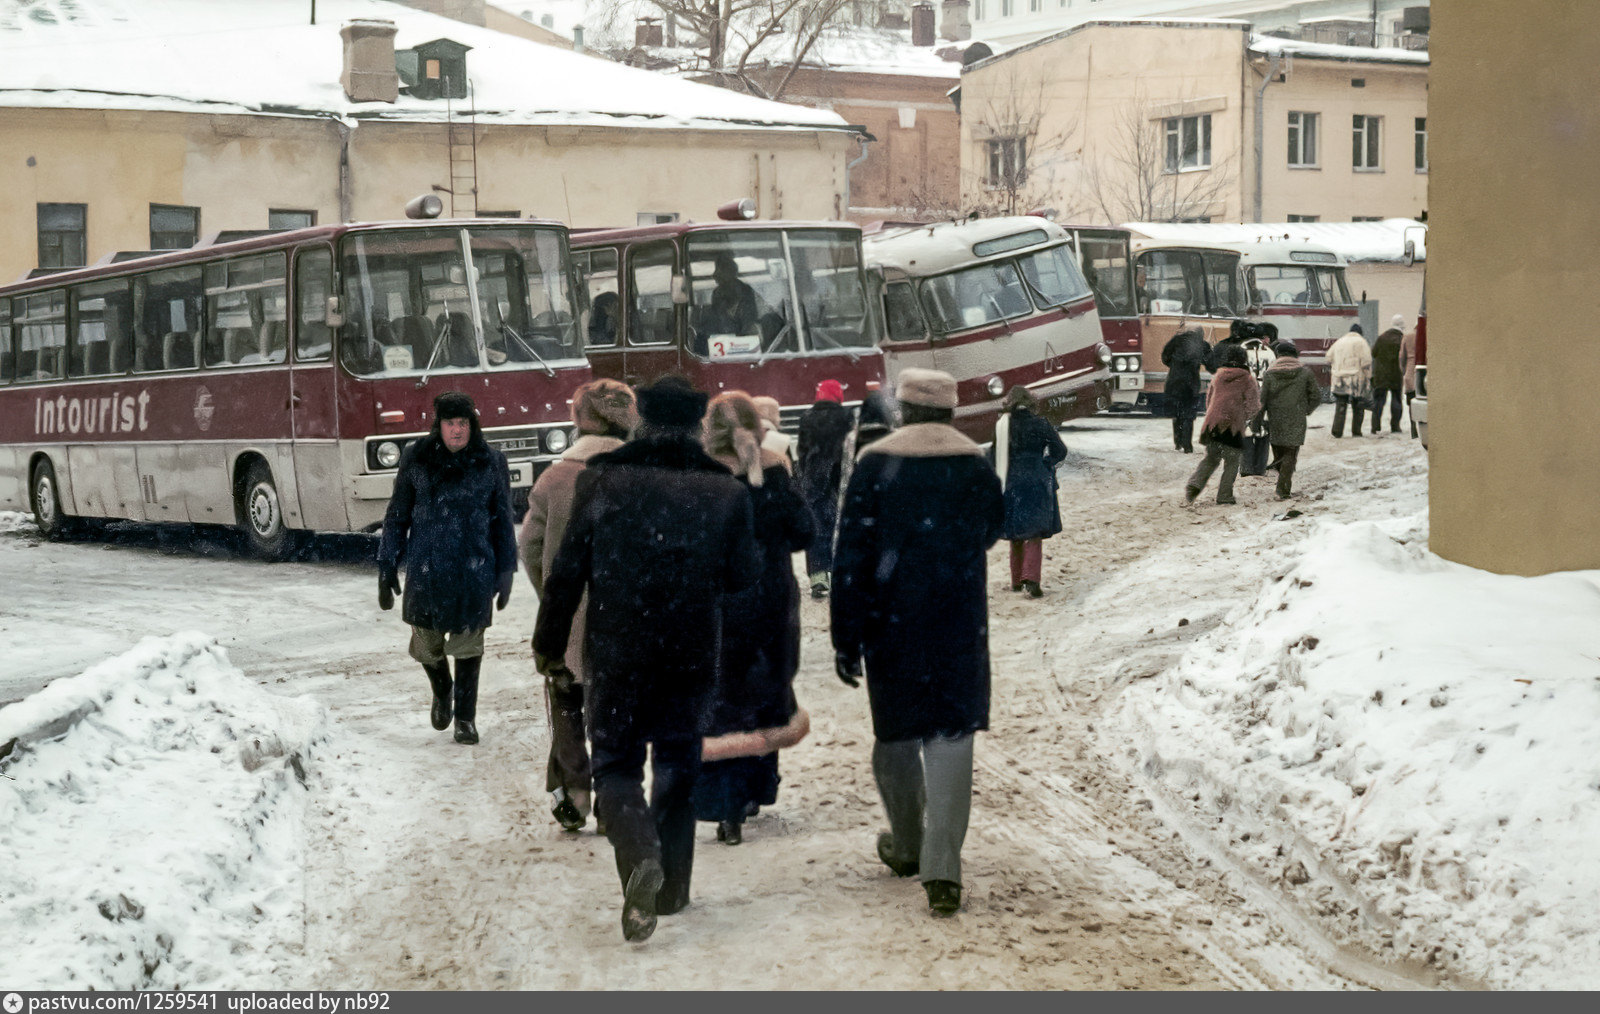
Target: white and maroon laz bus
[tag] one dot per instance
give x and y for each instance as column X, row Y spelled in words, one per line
column 1300, row 288
column 271, row 383
column 996, row 303
column 770, row 308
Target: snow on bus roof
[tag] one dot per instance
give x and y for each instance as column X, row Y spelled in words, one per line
column 264, row 57
column 1382, row 242
column 942, row 245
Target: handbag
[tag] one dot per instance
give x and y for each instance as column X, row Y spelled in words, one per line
column 1257, row 448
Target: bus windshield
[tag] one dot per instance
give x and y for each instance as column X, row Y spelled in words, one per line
column 776, row 290
column 412, row 305
column 1053, row 276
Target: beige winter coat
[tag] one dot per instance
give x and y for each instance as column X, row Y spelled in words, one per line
column 1408, row 360
column 549, row 510
column 1350, row 366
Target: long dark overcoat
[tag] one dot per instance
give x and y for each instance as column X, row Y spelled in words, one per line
column 1386, row 372
column 449, row 522
column 660, row 532
column 1034, row 451
column 820, row 450
column 909, row 580
column 1289, row 393
column 1183, row 355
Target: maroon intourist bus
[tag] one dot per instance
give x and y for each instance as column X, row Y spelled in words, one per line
column 770, row 308
column 272, row 382
column 1105, row 255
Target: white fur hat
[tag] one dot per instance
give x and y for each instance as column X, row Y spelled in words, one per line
column 1398, row 322
column 929, row 388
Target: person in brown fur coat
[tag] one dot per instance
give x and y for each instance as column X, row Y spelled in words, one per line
column 1233, row 399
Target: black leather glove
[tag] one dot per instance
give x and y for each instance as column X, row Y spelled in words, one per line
column 848, row 667
column 504, row 589
column 388, row 586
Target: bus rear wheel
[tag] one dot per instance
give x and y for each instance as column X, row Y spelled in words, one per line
column 54, row 523
column 261, row 514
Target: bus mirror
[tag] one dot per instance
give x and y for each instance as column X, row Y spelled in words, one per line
column 680, row 292
column 1411, row 252
column 333, row 316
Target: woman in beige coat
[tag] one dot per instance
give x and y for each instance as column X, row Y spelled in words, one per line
column 605, row 414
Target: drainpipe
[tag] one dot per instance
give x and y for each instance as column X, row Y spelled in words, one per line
column 866, row 140
column 1272, row 73
column 346, row 202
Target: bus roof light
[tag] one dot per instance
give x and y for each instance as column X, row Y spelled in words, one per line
column 426, row 206
column 741, row 210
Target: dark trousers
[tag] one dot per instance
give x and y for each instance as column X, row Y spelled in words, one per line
column 1341, row 402
column 568, row 767
column 1410, row 395
column 1216, row 453
column 1284, row 460
column 1027, row 558
column 663, row 829
column 1393, row 396
column 1180, row 405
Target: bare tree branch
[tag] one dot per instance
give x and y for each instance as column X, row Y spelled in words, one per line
column 1129, row 178
column 1023, row 167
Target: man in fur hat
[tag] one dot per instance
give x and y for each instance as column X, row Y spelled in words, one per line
column 659, row 532
column 910, row 599
column 449, row 521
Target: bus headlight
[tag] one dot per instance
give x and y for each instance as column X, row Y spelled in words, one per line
column 1103, row 353
column 387, row 454
column 555, row 441
column 996, row 386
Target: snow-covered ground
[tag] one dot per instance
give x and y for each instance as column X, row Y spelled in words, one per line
column 1271, row 745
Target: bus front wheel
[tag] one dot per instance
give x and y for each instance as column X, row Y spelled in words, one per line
column 54, row 522
column 261, row 514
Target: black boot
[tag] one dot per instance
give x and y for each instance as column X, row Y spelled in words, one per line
column 467, row 699
column 439, row 678
column 729, row 832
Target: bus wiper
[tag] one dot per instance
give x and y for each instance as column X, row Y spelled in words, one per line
column 505, row 329
column 438, row 343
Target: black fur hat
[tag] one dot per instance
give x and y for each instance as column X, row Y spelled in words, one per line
column 1286, row 348
column 1233, row 355
column 672, row 402
column 454, row 405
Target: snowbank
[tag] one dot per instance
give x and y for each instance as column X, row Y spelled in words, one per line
column 156, row 842
column 1412, row 746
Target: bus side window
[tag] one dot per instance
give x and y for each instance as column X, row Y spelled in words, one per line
column 102, row 326
column 650, row 310
column 170, row 305
column 8, row 352
column 42, row 337
column 313, row 284
column 597, row 282
column 903, row 317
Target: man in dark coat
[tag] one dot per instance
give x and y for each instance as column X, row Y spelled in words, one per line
column 659, row 532
column 910, row 598
column 449, row 521
column 1289, row 394
column 1387, row 378
column 1183, row 355
column 823, row 429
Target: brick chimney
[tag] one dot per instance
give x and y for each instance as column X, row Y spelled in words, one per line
column 954, row 24
column 369, row 73
column 922, row 24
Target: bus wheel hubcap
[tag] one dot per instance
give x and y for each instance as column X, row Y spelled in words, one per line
column 264, row 510
column 45, row 501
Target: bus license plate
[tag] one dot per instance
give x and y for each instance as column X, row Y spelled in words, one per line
column 1130, row 382
column 522, row 474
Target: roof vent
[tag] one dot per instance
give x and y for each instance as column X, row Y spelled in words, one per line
column 955, row 25
column 369, row 73
column 922, row 24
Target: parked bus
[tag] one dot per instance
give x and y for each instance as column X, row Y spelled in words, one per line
column 1300, row 288
column 272, row 383
column 1180, row 286
column 771, row 308
column 996, row 303
column 1106, row 257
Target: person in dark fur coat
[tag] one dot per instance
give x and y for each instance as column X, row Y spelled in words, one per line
column 449, row 523
column 1232, row 402
column 1183, row 355
column 820, row 447
column 760, row 625
column 659, row 533
column 1027, row 450
column 910, row 600
column 1388, row 377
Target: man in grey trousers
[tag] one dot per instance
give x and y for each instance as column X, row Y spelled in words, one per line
column 910, row 599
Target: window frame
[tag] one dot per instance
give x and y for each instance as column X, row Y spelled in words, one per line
column 193, row 233
column 631, row 309
column 1366, row 143
column 81, row 233
column 311, row 218
column 1303, row 130
column 1419, row 144
column 305, row 257
column 1175, row 142
column 996, row 152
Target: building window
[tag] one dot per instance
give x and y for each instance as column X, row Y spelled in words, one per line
column 655, row 217
column 977, row 10
column 1033, row 6
column 1008, row 161
column 1007, row 7
column 63, row 235
column 1366, row 218
column 1364, row 150
column 1422, row 144
column 173, row 227
column 1303, row 140
column 287, row 218
column 1188, row 142
column 1304, row 218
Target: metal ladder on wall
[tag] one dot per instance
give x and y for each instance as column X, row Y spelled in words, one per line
column 462, row 137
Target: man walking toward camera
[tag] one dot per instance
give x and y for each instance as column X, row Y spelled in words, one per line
column 910, row 599
column 449, row 523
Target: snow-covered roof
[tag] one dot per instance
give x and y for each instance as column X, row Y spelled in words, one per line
column 870, row 51
column 1383, row 242
column 940, row 246
column 1266, row 45
column 264, row 56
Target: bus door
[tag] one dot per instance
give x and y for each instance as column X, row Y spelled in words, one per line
column 311, row 474
column 908, row 341
column 650, row 332
column 599, row 288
